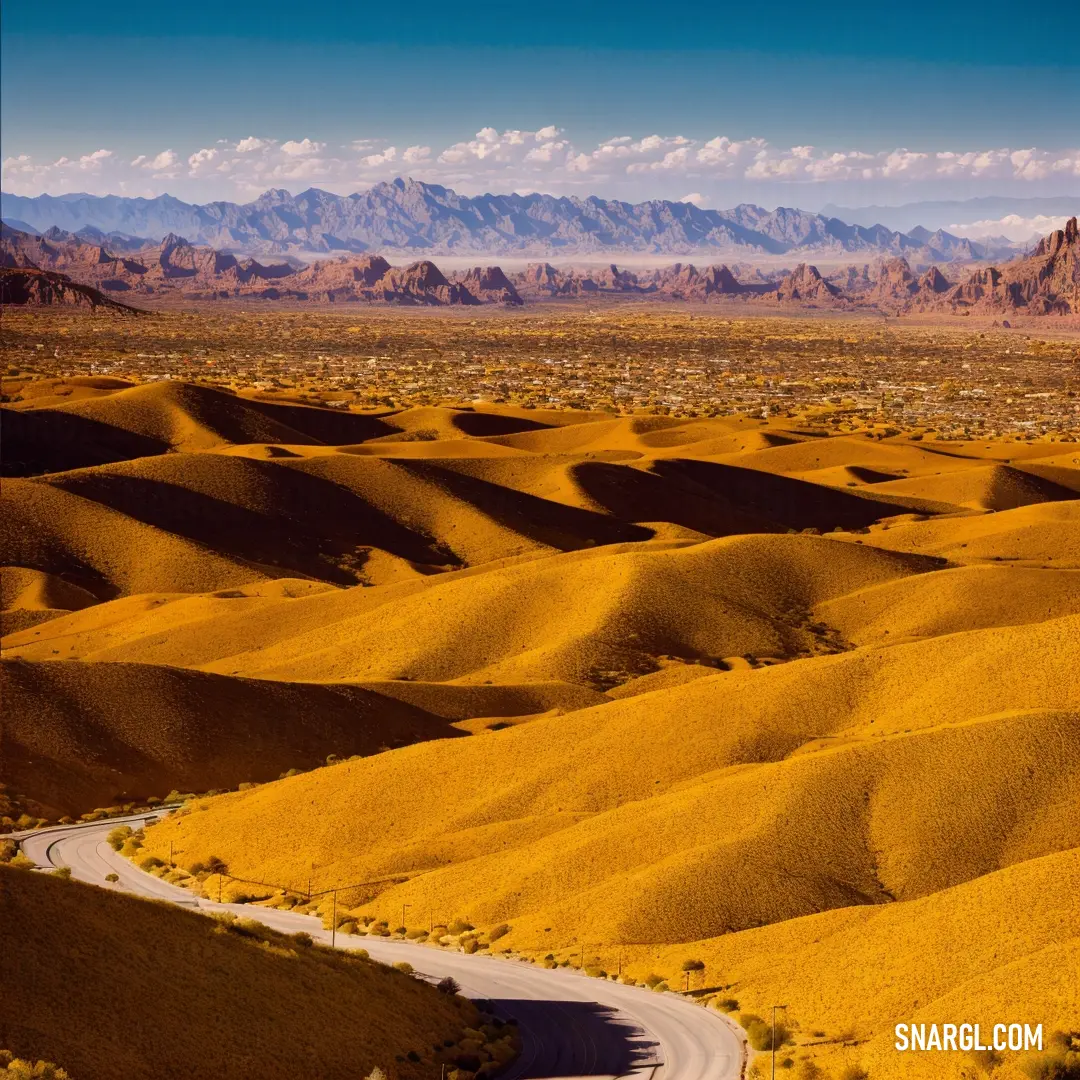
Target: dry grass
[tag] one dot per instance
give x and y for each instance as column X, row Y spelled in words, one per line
column 109, row 986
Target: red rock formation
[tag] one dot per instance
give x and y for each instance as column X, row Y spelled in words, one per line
column 47, row 288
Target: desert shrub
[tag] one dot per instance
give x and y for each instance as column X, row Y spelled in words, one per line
column 652, row 980
column 117, row 836
column 21, row 862
column 14, row 1068
column 499, row 931
column 809, row 1070
column 62, row 872
column 8, row 850
column 854, row 1072
column 214, row 865
column 449, row 985
column 759, row 1033
column 151, row 862
column 459, row 926
column 404, row 967
column 728, row 1005
column 304, row 939
column 112, row 877
column 470, row 945
column 1052, row 1064
column 415, row 935
column 595, row 972
column 347, row 927
column 661, row 988
column 401, row 931
column 693, row 965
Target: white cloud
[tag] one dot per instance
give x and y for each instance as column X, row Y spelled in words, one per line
column 165, row 160
column 302, row 148
column 695, row 198
column 251, row 144
column 1012, row 226
column 546, row 159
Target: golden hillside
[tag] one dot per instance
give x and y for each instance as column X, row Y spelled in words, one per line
column 78, row 736
column 251, row 1010
column 687, row 777
column 996, row 948
column 747, row 689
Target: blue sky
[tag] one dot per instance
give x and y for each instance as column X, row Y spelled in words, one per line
column 629, row 100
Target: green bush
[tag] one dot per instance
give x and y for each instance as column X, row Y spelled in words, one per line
column 62, row 872
column 652, row 980
column 693, row 965
column 112, row 877
column 459, row 926
column 854, row 1072
column 449, row 985
column 728, row 1005
column 470, row 945
column 304, row 939
column 151, row 862
column 8, row 850
column 404, row 967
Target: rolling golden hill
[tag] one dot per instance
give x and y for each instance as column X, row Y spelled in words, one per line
column 490, row 837
column 631, row 699
column 989, row 950
column 94, row 735
column 81, row 966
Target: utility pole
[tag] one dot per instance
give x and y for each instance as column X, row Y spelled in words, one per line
column 773, row 1040
column 172, row 862
column 403, row 907
column 333, row 923
column 431, row 921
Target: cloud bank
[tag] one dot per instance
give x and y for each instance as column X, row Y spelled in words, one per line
column 518, row 160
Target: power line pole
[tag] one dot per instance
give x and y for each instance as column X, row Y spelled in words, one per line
column 773, row 1040
column 403, row 907
column 333, row 923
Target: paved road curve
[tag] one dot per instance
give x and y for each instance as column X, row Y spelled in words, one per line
column 571, row 1025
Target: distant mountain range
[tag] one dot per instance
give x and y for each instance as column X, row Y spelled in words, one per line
column 410, row 216
column 59, row 267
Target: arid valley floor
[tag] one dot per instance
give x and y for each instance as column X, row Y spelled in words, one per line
column 725, row 654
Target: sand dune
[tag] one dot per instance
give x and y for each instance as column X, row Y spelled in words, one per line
column 972, row 951
column 1041, row 535
column 632, row 752
column 595, row 618
column 86, row 735
column 867, row 822
column 995, row 487
column 250, row 1010
column 964, row 598
column 632, row 703
column 185, row 416
column 104, row 551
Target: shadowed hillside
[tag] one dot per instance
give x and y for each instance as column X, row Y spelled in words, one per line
column 255, row 1006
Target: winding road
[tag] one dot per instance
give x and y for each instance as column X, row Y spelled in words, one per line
column 571, row 1025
